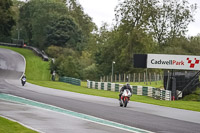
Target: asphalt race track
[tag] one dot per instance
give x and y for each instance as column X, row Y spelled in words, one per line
column 137, row 115
column 12, row 65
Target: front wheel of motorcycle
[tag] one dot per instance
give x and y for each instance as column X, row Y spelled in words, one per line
column 125, row 102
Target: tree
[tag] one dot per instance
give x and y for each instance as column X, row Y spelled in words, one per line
column 69, row 67
column 7, row 19
column 36, row 15
column 134, row 13
column 64, row 32
column 130, row 35
column 91, row 73
column 54, row 51
column 17, row 30
column 82, row 19
column 193, row 45
column 69, row 62
column 170, row 20
column 165, row 20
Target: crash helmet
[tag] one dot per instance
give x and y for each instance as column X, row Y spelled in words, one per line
column 128, row 85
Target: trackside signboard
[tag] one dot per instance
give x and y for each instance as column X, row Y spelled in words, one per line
column 164, row 61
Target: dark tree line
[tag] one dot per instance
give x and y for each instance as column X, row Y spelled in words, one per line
column 7, row 20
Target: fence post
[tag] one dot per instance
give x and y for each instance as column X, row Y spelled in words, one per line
column 155, row 79
column 124, row 77
column 146, row 77
column 139, row 77
column 161, row 77
column 150, row 78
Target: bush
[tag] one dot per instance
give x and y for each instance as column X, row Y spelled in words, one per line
column 195, row 96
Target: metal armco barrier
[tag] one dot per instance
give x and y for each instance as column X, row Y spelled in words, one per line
column 109, row 87
column 96, row 85
column 117, row 87
column 11, row 44
column 72, row 81
column 138, row 90
column 144, row 91
column 40, row 53
column 102, row 86
column 134, row 89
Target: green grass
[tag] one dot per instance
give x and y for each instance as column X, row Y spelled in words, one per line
column 36, row 68
column 188, row 105
column 7, row 126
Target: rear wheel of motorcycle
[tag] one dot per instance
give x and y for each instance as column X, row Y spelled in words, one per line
column 125, row 102
column 120, row 103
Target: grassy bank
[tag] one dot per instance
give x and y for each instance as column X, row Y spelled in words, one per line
column 188, row 105
column 7, row 126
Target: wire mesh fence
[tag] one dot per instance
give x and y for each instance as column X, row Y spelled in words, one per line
column 134, row 77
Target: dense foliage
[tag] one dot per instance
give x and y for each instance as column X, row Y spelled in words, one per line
column 80, row 50
column 64, row 32
column 7, row 20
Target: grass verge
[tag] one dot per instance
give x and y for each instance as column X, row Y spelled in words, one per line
column 7, row 126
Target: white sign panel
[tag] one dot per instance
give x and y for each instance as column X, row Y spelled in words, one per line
column 164, row 61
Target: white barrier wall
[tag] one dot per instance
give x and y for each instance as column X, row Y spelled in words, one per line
column 93, row 84
column 139, row 90
column 112, row 86
column 149, row 91
column 88, row 84
column 168, row 95
column 99, row 85
column 106, row 86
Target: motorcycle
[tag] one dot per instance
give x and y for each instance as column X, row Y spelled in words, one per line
column 23, row 81
column 125, row 98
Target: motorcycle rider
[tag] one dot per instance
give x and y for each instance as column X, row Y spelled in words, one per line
column 126, row 86
column 23, row 78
